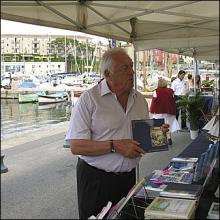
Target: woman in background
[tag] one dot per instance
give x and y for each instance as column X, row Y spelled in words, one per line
column 190, row 85
column 163, row 105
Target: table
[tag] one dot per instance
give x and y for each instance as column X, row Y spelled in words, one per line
column 195, row 149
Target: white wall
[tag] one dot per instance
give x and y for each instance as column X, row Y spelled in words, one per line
column 32, row 68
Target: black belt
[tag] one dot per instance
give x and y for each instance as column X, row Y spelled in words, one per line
column 103, row 171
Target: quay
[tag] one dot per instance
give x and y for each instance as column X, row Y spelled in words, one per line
column 13, row 93
column 41, row 178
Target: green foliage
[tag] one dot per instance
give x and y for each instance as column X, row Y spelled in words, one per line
column 208, row 83
column 192, row 106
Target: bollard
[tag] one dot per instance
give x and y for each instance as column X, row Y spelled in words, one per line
column 4, row 169
column 66, row 144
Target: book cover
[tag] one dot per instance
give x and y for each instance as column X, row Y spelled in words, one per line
column 185, row 159
column 213, row 211
column 186, row 191
column 104, row 211
column 170, row 176
column 204, row 170
column 172, row 208
column 150, row 190
column 149, row 134
column 212, row 153
column 181, row 166
column 198, row 174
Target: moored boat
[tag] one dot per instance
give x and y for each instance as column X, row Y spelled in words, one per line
column 52, row 98
column 26, row 98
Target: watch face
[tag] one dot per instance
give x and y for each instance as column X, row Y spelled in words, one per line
column 112, row 150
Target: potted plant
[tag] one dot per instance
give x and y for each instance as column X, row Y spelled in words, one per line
column 192, row 105
column 207, row 85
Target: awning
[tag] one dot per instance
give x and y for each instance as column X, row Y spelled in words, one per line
column 183, row 27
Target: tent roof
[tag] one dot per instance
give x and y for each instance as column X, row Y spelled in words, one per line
column 185, row 27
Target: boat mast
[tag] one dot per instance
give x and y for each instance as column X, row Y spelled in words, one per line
column 65, row 55
column 74, row 41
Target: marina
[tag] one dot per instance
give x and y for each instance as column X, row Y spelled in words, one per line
column 18, row 119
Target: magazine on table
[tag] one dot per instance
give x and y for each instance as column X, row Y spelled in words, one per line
column 170, row 208
column 187, row 191
column 170, row 176
column 149, row 134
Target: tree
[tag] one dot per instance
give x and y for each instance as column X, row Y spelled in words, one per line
column 76, row 51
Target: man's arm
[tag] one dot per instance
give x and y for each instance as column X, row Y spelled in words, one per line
column 128, row 148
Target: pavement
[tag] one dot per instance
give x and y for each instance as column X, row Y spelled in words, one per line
column 41, row 178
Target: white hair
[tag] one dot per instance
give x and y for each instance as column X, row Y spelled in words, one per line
column 107, row 62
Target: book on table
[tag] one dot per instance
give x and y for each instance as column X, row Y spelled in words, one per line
column 150, row 190
column 182, row 166
column 213, row 211
column 187, row 191
column 170, row 208
column 149, row 134
column 170, row 176
column 200, row 167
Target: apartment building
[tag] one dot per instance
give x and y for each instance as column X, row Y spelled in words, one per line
column 17, row 49
column 33, row 44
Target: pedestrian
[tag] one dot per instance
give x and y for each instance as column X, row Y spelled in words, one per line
column 163, row 105
column 179, row 86
column 100, row 135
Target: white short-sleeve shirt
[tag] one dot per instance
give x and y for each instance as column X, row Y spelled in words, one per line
column 99, row 116
column 179, row 87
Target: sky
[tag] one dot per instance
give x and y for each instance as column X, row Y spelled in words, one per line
column 12, row 27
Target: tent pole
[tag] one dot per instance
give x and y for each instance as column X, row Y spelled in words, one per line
column 195, row 71
column 135, row 86
column 132, row 37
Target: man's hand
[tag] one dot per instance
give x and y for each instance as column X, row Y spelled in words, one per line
column 128, row 148
column 165, row 128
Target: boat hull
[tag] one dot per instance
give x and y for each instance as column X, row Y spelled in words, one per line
column 52, row 98
column 27, row 98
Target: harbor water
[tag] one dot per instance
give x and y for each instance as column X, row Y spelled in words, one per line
column 18, row 119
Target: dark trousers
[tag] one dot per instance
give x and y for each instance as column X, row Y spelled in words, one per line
column 96, row 187
column 183, row 113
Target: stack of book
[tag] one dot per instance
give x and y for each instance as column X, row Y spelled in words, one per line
column 176, row 190
column 170, row 208
column 213, row 211
column 170, row 176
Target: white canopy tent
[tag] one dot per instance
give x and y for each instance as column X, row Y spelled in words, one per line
column 185, row 27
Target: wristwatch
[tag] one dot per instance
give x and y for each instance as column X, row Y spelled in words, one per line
column 112, row 148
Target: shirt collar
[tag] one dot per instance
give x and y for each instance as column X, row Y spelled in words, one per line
column 104, row 88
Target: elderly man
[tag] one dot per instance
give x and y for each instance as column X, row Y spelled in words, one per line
column 100, row 134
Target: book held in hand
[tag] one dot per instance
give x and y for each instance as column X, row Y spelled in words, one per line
column 149, row 134
column 170, row 208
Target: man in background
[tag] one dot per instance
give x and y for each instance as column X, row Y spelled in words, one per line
column 179, row 86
